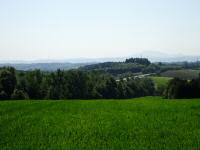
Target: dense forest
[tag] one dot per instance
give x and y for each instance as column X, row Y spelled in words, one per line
column 73, row 84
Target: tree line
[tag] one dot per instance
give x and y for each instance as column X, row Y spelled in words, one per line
column 141, row 61
column 73, row 84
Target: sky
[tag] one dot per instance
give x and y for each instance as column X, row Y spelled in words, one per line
column 63, row 29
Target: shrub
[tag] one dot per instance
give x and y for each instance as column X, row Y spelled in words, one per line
column 19, row 95
column 3, row 95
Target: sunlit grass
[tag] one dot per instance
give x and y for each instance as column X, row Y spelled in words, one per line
column 143, row 123
column 161, row 81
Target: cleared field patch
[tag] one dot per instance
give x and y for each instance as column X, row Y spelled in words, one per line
column 161, row 81
column 142, row 123
column 183, row 74
column 160, row 84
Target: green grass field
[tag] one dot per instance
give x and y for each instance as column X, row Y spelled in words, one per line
column 161, row 81
column 142, row 123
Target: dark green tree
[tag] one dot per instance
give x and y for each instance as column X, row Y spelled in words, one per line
column 33, row 84
column 57, row 85
column 8, row 81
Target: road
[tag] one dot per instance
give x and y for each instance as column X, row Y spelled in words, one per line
column 137, row 77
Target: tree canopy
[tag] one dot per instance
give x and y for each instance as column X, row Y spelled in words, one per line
column 73, row 84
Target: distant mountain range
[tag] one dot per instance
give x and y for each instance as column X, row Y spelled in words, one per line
column 155, row 56
column 52, row 65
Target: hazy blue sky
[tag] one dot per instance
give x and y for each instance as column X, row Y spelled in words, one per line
column 58, row 29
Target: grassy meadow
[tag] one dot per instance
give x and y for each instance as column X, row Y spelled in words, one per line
column 160, row 81
column 142, row 123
